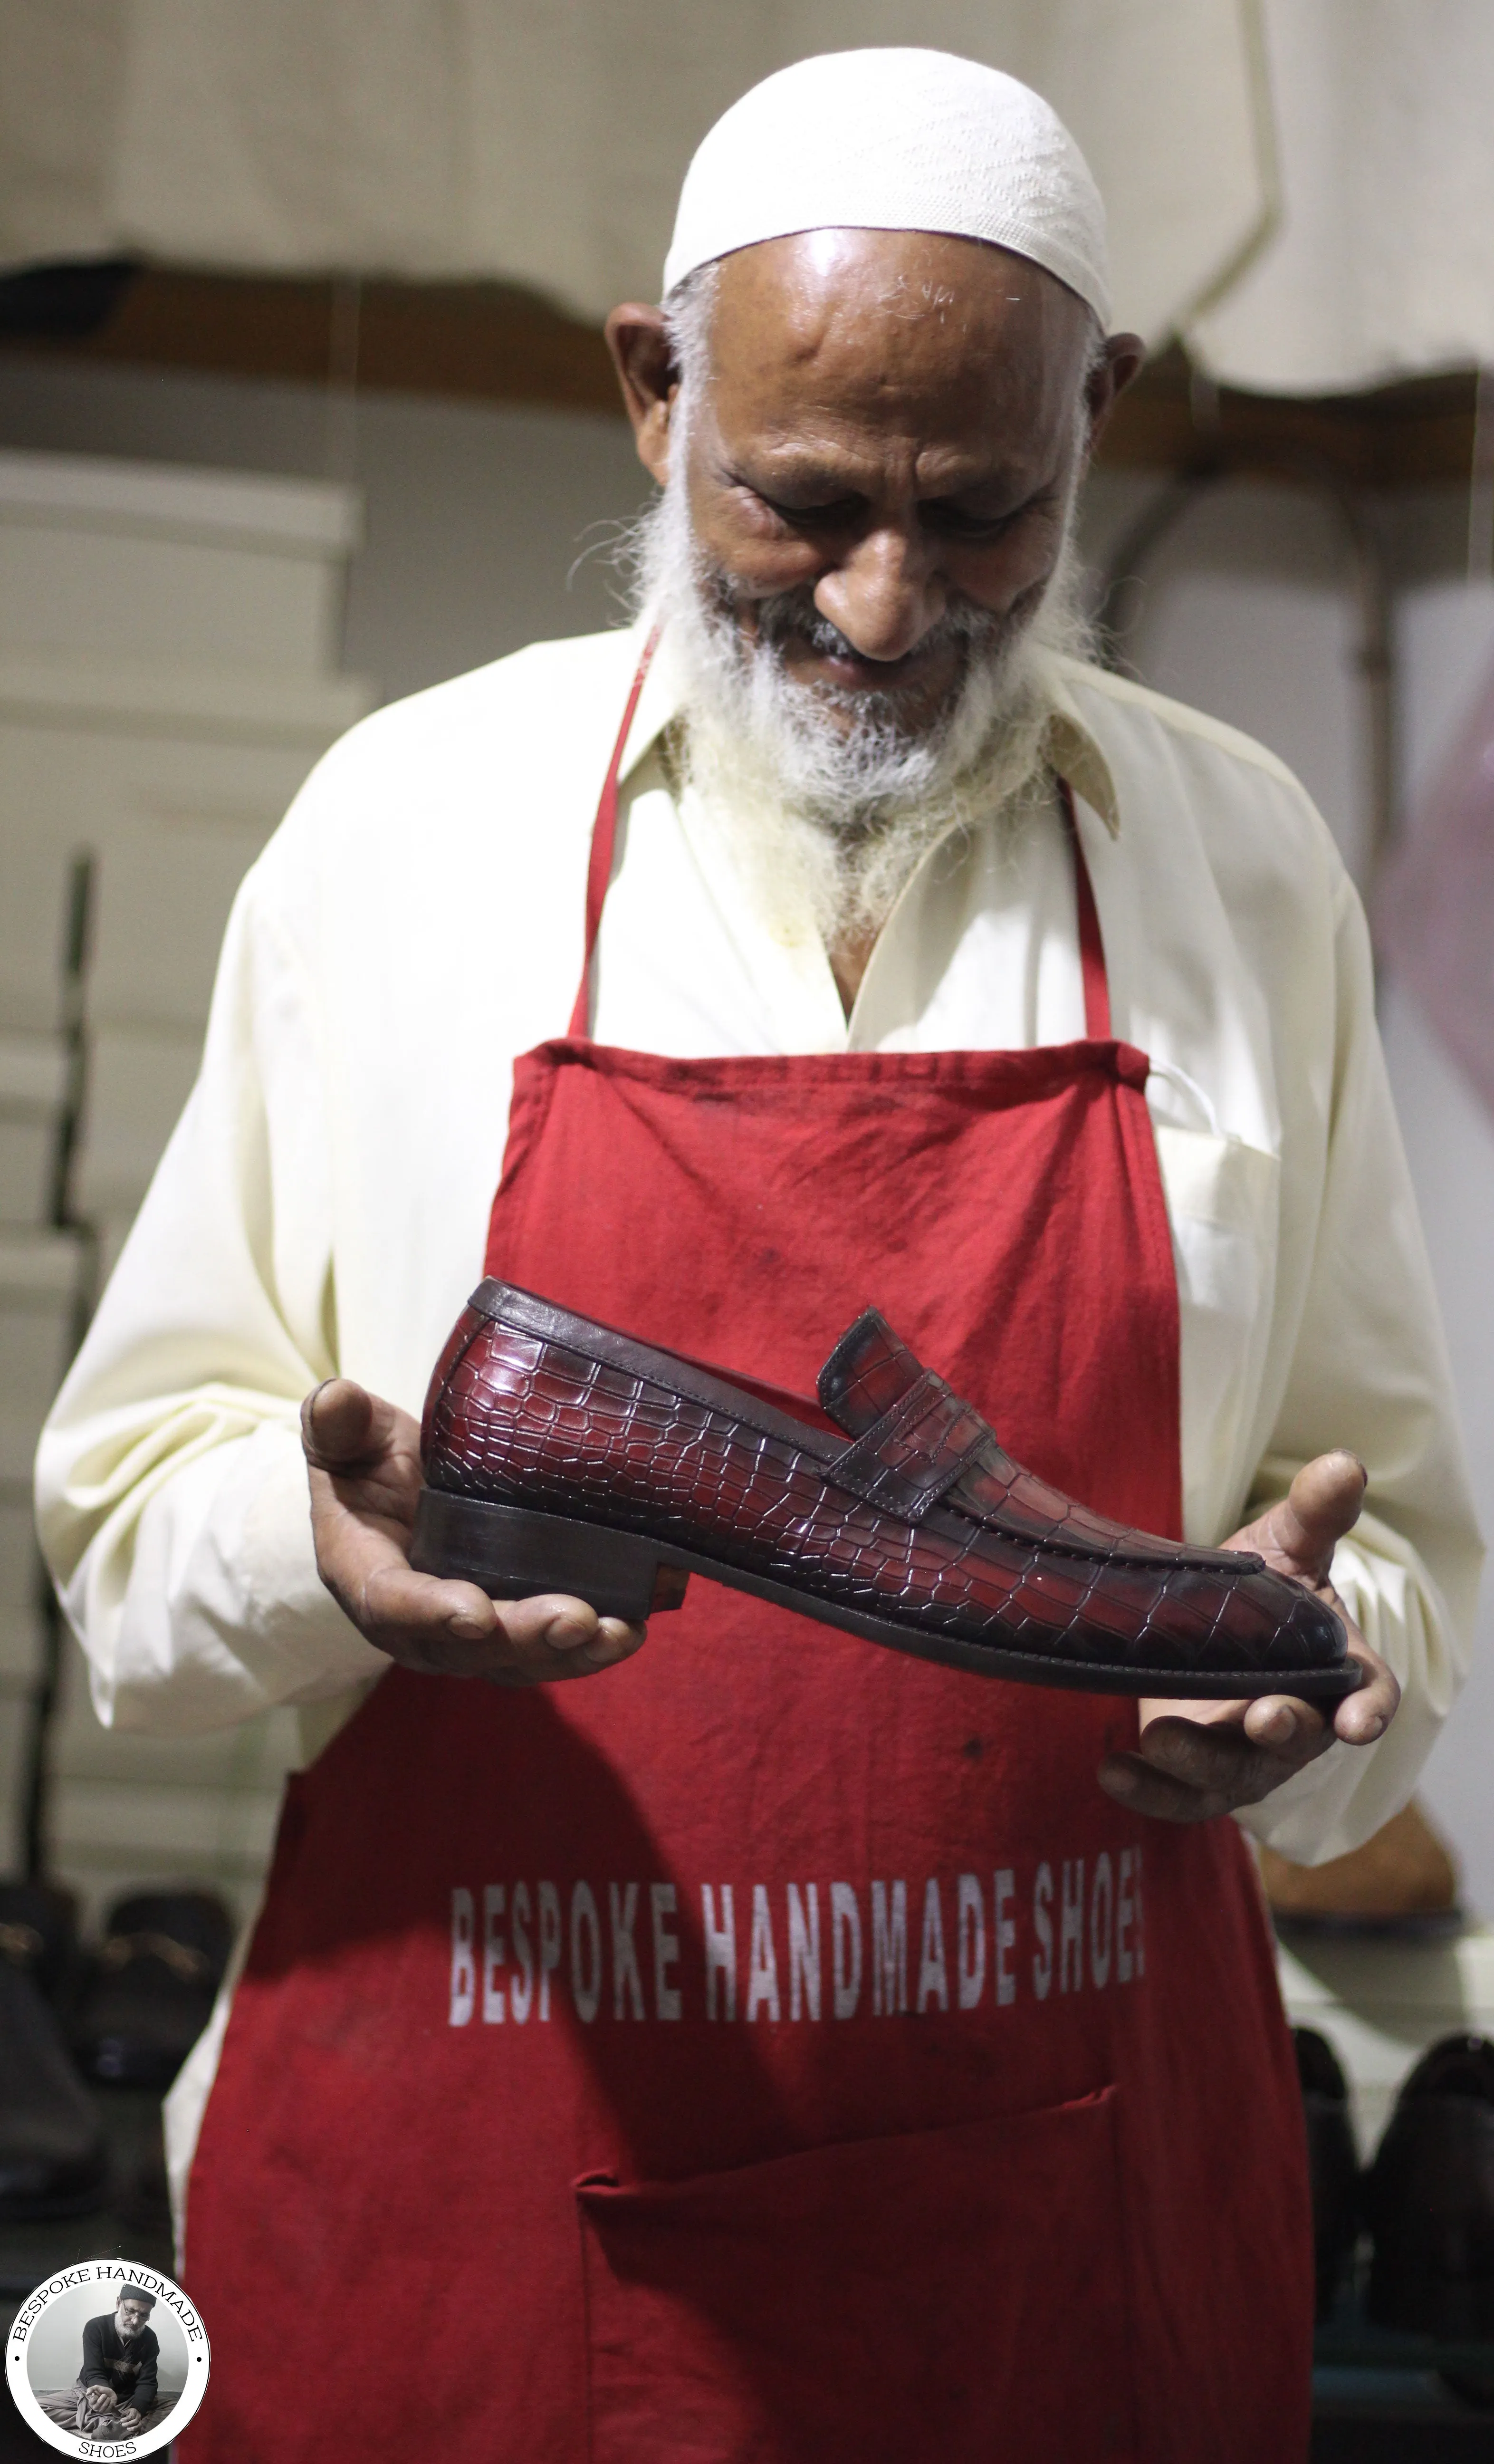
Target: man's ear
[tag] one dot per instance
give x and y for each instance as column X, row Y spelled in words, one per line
column 1120, row 362
column 646, row 369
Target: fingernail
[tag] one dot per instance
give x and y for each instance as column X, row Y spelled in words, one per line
column 1373, row 1728
column 566, row 1632
column 1120, row 1779
column 467, row 1626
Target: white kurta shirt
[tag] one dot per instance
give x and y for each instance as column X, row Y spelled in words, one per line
column 416, row 923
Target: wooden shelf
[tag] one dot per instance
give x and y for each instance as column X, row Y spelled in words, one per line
column 1403, row 435
column 486, row 342
column 463, row 339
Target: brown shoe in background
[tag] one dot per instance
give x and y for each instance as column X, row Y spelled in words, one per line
column 1402, row 1879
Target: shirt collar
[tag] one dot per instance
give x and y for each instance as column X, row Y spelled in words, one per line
column 1075, row 752
column 1071, row 747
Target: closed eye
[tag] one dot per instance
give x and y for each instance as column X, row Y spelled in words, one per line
column 955, row 521
column 839, row 508
column 939, row 514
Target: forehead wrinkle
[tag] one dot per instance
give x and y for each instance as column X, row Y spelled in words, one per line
column 948, row 340
column 891, row 352
column 864, row 400
column 940, row 446
column 908, row 465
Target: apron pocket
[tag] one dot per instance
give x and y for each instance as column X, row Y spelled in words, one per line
column 950, row 2294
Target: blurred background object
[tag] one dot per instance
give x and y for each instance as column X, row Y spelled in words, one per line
column 170, row 645
column 1429, row 2198
column 1277, row 172
column 1333, row 2165
column 1437, row 898
column 168, row 650
column 1403, row 1879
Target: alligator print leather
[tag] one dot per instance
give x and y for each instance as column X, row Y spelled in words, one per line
column 899, row 1514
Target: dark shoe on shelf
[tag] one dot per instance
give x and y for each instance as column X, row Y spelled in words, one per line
column 158, row 1970
column 562, row 1456
column 52, row 2157
column 38, row 1933
column 1429, row 2198
column 1332, row 2163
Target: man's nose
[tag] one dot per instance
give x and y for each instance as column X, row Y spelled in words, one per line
column 885, row 594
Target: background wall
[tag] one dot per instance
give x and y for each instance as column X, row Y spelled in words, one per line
column 486, row 528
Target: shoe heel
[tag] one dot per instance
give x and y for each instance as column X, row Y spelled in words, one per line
column 511, row 1554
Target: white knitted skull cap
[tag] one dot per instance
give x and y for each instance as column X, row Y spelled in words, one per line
column 895, row 141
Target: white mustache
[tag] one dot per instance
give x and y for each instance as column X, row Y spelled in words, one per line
column 832, row 797
column 788, row 616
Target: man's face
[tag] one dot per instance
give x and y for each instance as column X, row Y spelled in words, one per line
column 130, row 2317
column 888, row 437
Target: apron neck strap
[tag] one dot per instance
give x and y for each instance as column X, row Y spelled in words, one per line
column 604, row 843
column 604, row 848
column 1091, row 944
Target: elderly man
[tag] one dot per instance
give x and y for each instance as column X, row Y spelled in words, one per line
column 115, row 2394
column 772, row 2046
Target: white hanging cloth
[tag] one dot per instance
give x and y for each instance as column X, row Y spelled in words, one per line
column 1305, row 188
column 543, row 141
column 1382, row 262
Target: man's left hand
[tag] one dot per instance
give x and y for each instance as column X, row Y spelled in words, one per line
column 1195, row 1760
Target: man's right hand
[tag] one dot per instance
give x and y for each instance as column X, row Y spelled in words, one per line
column 364, row 1461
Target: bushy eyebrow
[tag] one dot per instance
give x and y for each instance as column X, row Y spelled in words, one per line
column 835, row 481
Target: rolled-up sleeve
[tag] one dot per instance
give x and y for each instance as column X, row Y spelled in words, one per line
column 1369, row 1369
column 171, row 1491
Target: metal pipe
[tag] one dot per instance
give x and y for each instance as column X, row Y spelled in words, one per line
column 45, row 1694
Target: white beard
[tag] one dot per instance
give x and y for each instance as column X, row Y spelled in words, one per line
column 833, row 819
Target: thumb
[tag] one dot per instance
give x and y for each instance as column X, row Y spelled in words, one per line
column 1322, row 1503
column 337, row 1424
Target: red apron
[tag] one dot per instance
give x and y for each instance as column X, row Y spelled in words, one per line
column 776, row 2049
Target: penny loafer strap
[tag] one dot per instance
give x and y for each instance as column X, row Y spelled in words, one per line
column 914, row 1455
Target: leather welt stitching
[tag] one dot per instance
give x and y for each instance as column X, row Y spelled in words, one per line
column 626, row 1358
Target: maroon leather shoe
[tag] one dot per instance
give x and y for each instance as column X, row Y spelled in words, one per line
column 560, row 1456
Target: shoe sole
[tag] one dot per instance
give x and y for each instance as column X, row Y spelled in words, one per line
column 514, row 1554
